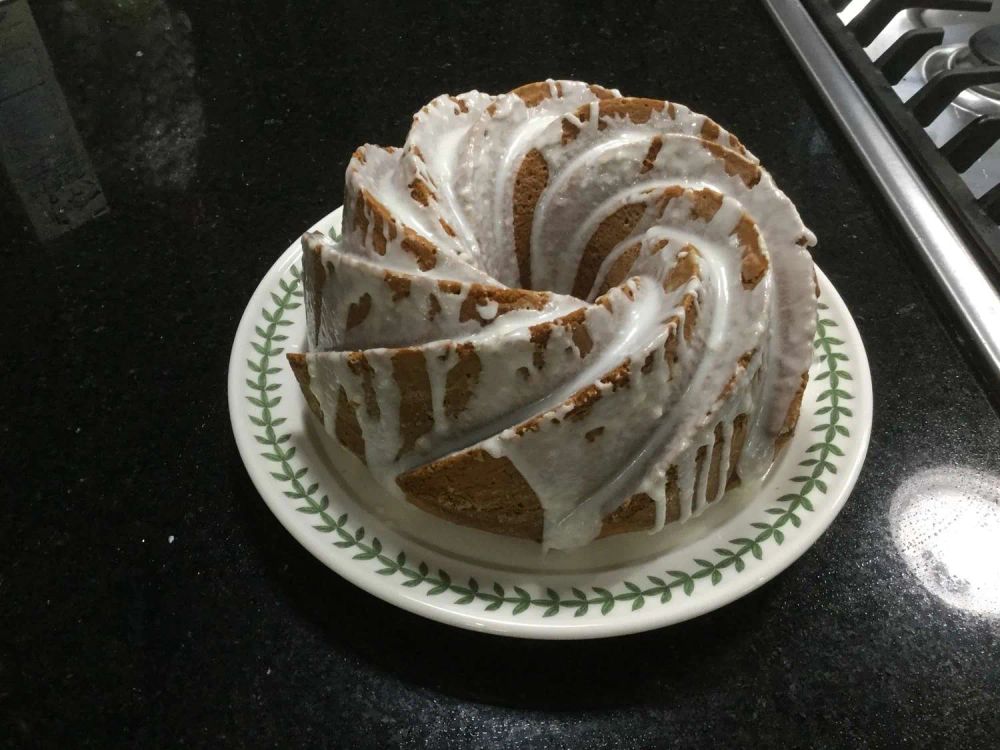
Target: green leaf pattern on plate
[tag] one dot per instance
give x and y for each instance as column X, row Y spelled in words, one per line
column 731, row 560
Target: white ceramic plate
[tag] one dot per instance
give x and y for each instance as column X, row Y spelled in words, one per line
column 480, row 581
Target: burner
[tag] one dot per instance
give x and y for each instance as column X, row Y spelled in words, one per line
column 985, row 45
column 958, row 25
column 978, row 100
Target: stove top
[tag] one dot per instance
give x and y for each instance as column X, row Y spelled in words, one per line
column 956, row 42
column 915, row 84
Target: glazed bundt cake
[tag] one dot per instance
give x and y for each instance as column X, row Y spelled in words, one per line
column 560, row 313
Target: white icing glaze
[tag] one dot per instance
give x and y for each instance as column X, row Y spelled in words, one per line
column 585, row 451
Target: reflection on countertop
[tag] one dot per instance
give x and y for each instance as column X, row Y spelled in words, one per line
column 116, row 107
column 945, row 522
column 129, row 73
column 41, row 153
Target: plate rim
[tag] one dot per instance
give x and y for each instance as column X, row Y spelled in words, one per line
column 445, row 611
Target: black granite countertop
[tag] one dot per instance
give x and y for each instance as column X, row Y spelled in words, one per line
column 148, row 598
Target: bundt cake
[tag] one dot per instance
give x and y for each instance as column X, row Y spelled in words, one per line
column 560, row 313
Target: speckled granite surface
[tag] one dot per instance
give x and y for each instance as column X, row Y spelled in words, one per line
column 147, row 596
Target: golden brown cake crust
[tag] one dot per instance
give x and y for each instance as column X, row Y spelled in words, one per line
column 474, row 489
column 300, row 369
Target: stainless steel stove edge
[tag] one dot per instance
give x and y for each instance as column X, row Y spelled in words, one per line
column 970, row 292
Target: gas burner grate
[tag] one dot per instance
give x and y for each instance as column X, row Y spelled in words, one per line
column 975, row 74
column 885, row 67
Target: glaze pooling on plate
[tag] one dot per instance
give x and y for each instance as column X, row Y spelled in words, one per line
column 565, row 300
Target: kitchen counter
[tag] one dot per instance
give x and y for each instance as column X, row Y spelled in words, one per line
column 148, row 598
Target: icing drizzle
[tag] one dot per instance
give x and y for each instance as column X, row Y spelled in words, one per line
column 609, row 293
